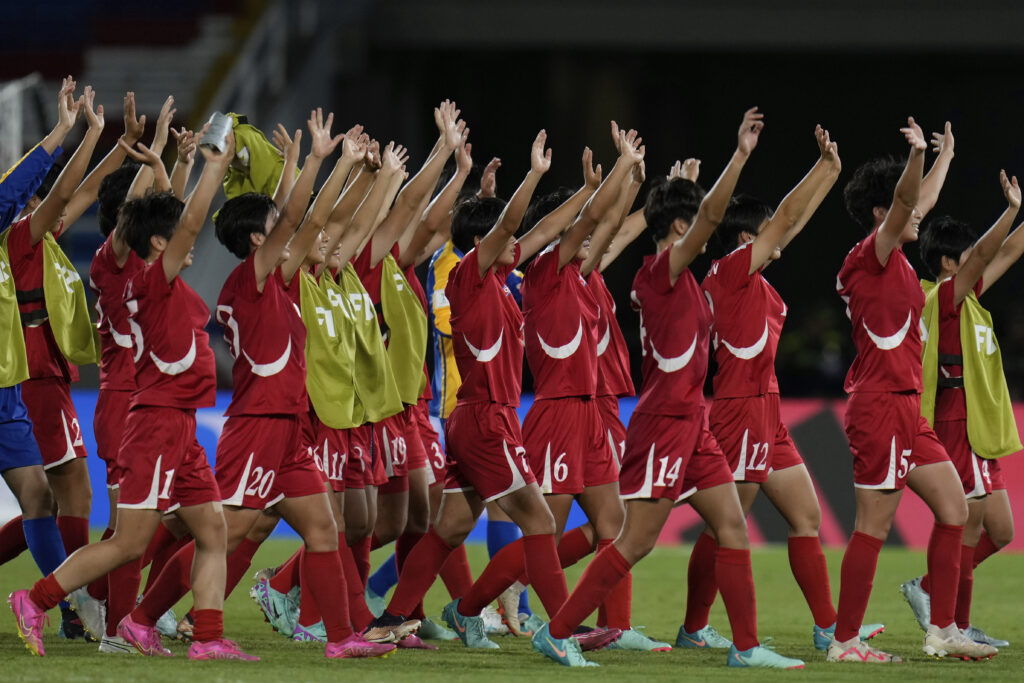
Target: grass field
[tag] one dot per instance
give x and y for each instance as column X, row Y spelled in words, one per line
column 658, row 596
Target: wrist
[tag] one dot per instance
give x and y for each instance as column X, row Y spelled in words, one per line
column 740, row 155
column 129, row 140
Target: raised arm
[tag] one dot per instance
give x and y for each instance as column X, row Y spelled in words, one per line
column 1008, row 254
column 351, row 197
column 194, row 215
column 365, row 218
column 988, row 245
column 46, row 217
column 186, row 143
column 67, row 112
column 931, row 186
column 436, row 225
column 792, row 213
column 147, row 157
column 144, row 180
column 904, row 200
column 619, row 214
column 712, row 207
column 288, row 146
column 511, row 216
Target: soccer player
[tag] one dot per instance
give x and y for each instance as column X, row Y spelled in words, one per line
column 164, row 467
column 668, row 449
column 964, row 268
column 748, row 315
column 892, row 445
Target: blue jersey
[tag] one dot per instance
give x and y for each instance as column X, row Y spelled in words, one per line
column 21, row 182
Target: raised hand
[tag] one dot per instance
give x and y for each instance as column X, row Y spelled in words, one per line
column 93, row 117
column 133, row 127
column 639, row 174
column 750, row 130
column 943, row 142
column 1011, row 190
column 186, row 142
column 630, row 147
column 211, row 155
column 393, row 159
column 540, row 159
column 67, row 105
column 591, row 175
column 353, row 147
column 163, row 123
column 828, row 149
column 691, row 169
column 372, row 158
column 141, row 153
column 287, row 145
column 464, row 158
column 914, row 136
column 616, row 139
column 489, row 179
column 320, row 130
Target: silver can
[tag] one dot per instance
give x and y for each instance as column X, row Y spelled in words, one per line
column 217, row 134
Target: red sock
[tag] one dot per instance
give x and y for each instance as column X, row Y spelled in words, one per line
column 499, row 574
column 46, row 593
column 926, row 583
column 811, row 573
column 455, row 573
column 573, row 547
column 99, row 589
column 324, row 579
column 74, row 531
column 602, row 575
column 238, row 564
column 287, row 576
column 361, row 551
column 359, row 614
column 966, row 587
column 162, row 555
column 374, row 542
column 161, row 539
column 856, row 578
column 614, row 612
column 701, row 585
column 736, row 583
column 124, row 583
column 545, row 571
column 12, row 540
column 209, row 625
column 986, row 549
column 944, row 568
column 309, row 613
column 421, row 568
column 170, row 586
column 403, row 546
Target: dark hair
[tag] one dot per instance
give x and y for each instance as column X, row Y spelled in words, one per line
column 744, row 214
column 112, row 192
column 469, row 188
column 241, row 217
column 48, row 182
column 944, row 236
column 873, row 184
column 543, row 205
column 144, row 217
column 676, row 198
column 474, row 217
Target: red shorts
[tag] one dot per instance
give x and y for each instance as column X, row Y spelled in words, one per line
column 615, row 431
column 108, row 426
column 261, row 460
column 565, row 442
column 359, row 466
column 163, row 467
column 485, row 450
column 888, row 438
column 54, row 420
column 973, row 470
column 330, row 453
column 708, row 467
column 752, row 436
column 390, row 442
column 436, row 458
column 995, row 473
column 658, row 452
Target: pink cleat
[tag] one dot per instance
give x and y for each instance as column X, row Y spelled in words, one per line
column 219, row 649
column 597, row 638
column 414, row 642
column 31, row 621
column 355, row 647
column 145, row 639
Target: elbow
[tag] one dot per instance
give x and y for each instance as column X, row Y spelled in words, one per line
column 709, row 215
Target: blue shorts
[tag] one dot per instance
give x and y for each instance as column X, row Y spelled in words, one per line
column 18, row 446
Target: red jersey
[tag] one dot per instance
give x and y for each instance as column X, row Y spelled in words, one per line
column 884, row 304
column 265, row 334
column 487, row 333
column 747, row 320
column 675, row 324
column 613, row 378
column 950, row 403
column 561, row 315
column 174, row 365
column 44, row 356
column 107, row 280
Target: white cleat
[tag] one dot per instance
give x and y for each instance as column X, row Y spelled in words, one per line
column 857, row 651
column 91, row 611
column 117, row 645
column 951, row 642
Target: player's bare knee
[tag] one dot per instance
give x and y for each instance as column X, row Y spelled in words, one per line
column 952, row 512
column 732, row 533
column 634, row 549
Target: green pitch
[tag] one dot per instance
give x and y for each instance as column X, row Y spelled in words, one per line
column 658, row 596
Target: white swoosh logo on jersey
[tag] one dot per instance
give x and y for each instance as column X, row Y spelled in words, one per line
column 677, row 362
column 270, row 369
column 602, row 345
column 136, row 333
column 122, row 340
column 893, row 340
column 748, row 352
column 485, row 355
column 565, row 350
column 179, row 366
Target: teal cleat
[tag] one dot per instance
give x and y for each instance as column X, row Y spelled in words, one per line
column 979, row 636
column 565, row 651
column 762, row 657
column 277, row 608
column 823, row 636
column 530, row 625
column 635, row 639
column 317, row 633
column 431, row 630
column 706, row 638
column 470, row 630
column 375, row 603
column 919, row 600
